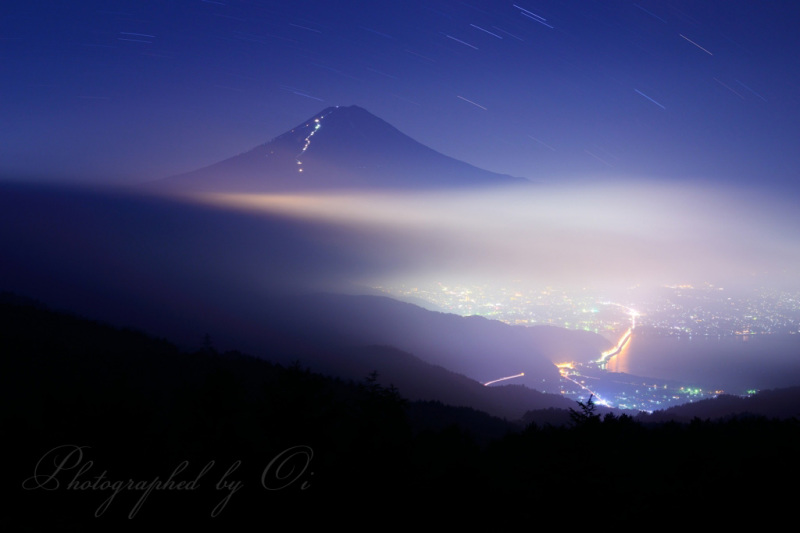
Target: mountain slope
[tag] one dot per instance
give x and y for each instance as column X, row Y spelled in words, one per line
column 338, row 148
column 776, row 403
column 253, row 283
column 477, row 347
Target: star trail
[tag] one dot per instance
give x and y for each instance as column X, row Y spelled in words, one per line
column 128, row 91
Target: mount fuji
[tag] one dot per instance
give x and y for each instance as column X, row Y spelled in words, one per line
column 339, row 148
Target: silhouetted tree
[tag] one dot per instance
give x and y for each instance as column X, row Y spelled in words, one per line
column 586, row 415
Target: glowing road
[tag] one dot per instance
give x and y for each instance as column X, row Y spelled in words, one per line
column 503, row 379
column 605, row 356
column 564, row 369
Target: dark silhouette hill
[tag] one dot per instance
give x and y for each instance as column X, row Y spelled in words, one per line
column 115, row 405
column 338, row 148
column 773, row 403
column 423, row 381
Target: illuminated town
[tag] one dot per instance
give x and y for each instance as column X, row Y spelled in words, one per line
column 682, row 311
column 673, row 310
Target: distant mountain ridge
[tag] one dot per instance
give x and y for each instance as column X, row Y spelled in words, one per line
column 339, row 148
column 783, row 403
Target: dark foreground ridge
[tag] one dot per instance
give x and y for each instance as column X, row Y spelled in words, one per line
column 96, row 416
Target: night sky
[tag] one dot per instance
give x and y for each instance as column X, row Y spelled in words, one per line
column 124, row 91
